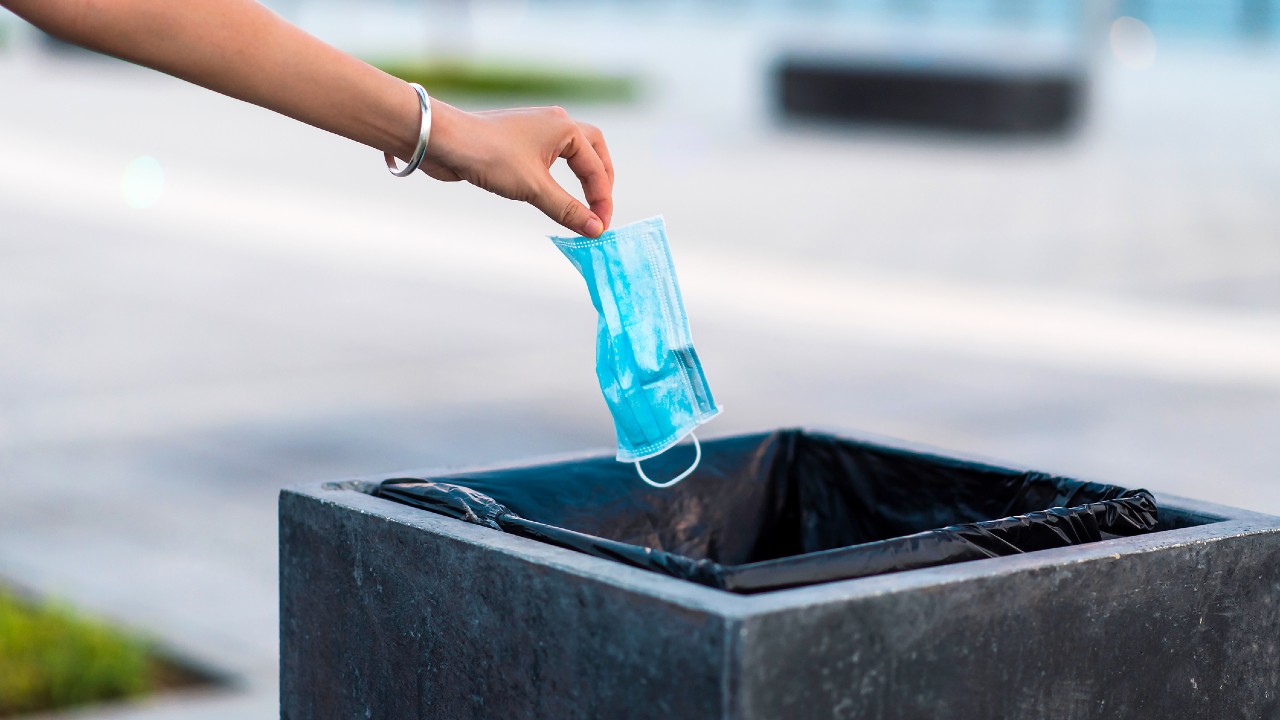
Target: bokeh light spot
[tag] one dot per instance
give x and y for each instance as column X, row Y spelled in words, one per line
column 1133, row 43
column 143, row 182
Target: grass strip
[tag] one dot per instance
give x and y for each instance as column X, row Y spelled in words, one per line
column 458, row 77
column 53, row 657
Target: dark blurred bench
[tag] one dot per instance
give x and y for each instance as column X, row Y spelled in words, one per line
column 972, row 98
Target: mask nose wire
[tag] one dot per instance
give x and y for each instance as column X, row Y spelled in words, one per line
column 697, row 458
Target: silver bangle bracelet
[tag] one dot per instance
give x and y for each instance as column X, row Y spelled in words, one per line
column 424, row 133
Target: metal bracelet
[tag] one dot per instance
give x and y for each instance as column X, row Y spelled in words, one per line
column 423, row 134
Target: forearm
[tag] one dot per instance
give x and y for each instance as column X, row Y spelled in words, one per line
column 242, row 49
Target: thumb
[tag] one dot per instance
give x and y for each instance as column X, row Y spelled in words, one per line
column 566, row 210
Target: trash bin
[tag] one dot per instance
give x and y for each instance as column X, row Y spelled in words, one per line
column 788, row 509
column 537, row 605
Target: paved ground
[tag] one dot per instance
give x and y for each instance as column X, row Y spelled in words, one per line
column 1107, row 306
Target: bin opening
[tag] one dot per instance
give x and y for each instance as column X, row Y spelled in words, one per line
column 787, row 508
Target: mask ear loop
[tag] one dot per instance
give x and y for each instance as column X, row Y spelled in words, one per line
column 697, row 458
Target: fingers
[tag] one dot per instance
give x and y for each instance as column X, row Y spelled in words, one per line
column 596, row 138
column 510, row 153
column 566, row 210
column 597, row 183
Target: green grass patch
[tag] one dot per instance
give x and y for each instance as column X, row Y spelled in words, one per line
column 493, row 79
column 53, row 657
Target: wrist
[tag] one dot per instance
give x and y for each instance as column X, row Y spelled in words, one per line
column 446, row 130
column 401, row 120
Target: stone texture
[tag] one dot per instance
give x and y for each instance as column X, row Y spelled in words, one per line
column 1179, row 628
column 399, row 616
column 389, row 611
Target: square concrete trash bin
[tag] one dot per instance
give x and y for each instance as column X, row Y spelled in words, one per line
column 392, row 611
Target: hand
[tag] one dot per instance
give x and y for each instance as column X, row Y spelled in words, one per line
column 510, row 153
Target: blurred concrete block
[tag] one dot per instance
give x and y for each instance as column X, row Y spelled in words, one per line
column 969, row 97
column 394, row 612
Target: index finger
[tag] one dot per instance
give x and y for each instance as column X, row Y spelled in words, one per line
column 597, row 184
column 596, row 137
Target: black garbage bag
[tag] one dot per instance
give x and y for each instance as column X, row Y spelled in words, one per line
column 787, row 508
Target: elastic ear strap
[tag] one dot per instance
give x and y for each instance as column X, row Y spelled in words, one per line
column 697, row 458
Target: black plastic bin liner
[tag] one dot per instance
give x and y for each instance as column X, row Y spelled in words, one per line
column 787, row 508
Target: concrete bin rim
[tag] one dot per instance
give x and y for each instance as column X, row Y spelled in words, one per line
column 1219, row 522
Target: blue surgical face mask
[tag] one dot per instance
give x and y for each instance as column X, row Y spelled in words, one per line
column 648, row 370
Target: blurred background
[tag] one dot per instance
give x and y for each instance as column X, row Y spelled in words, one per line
column 1041, row 231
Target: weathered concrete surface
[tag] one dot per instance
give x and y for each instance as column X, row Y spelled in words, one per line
column 396, row 616
column 1149, row 628
column 389, row 611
